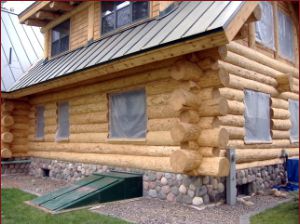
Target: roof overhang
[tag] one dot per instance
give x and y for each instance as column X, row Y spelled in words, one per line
column 41, row 13
column 200, row 42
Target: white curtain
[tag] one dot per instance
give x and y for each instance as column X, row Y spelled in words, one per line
column 257, row 117
column 40, row 124
column 128, row 115
column 63, row 121
column 265, row 27
column 294, row 111
column 286, row 41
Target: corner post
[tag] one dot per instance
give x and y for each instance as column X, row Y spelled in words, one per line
column 231, row 178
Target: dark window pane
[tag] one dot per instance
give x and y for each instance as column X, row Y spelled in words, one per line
column 139, row 10
column 60, row 38
column 107, row 8
column 108, row 23
column 123, row 16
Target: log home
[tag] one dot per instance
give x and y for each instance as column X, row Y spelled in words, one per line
column 162, row 88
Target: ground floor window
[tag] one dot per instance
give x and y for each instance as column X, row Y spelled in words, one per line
column 257, row 117
column 294, row 111
column 127, row 114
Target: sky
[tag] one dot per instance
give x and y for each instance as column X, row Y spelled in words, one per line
column 18, row 6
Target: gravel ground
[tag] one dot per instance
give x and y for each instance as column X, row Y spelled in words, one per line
column 34, row 185
column 150, row 211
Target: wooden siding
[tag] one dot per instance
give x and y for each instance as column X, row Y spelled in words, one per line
column 79, row 29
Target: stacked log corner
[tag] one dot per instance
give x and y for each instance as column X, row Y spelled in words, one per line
column 14, row 128
column 198, row 103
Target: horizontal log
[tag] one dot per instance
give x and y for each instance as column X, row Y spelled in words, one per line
column 50, row 129
column 158, row 99
column 20, row 112
column 19, row 154
column 247, row 74
column 98, row 99
column 235, row 132
column 162, row 111
column 89, row 118
column 161, row 124
column 160, row 138
column 208, row 94
column 50, row 113
column 7, row 106
column 232, row 94
column 189, row 116
column 50, row 121
column 127, row 161
column 289, row 95
column 259, row 164
column 280, row 113
column 19, row 148
column 214, row 107
column 7, row 137
column 217, row 137
column 161, row 86
column 233, row 81
column 21, row 119
column 261, row 58
column 88, row 128
column 104, row 148
column 206, row 63
column 277, row 124
column 232, row 120
column 211, row 78
column 184, row 132
column 247, row 155
column 87, row 108
column 212, row 166
column 278, row 134
column 20, row 141
column 235, row 107
column 181, row 99
column 7, row 121
column 22, row 106
column 208, row 122
column 20, row 134
column 279, row 103
column 276, row 143
column 105, row 86
column 6, row 153
column 88, row 137
column 185, row 70
column 209, row 151
column 184, row 160
column 246, row 63
column 284, row 82
column 20, row 126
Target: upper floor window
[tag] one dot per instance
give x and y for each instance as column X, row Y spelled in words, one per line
column 265, row 26
column 286, row 42
column 119, row 13
column 60, row 38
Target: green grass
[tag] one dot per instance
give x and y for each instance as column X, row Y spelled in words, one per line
column 14, row 211
column 286, row 213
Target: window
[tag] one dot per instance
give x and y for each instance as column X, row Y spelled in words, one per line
column 265, row 27
column 120, row 13
column 60, row 38
column 128, row 114
column 286, row 42
column 294, row 111
column 40, row 123
column 257, row 117
column 63, row 121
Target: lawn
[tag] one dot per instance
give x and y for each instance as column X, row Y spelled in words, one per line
column 286, row 213
column 14, row 211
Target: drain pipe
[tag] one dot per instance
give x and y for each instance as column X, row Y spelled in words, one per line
column 231, row 193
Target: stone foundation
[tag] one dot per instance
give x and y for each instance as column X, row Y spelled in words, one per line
column 168, row 186
column 14, row 167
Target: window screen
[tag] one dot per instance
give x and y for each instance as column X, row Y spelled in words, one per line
column 294, row 111
column 60, row 38
column 286, row 42
column 40, row 124
column 128, row 115
column 119, row 13
column 63, row 121
column 257, row 117
column 265, row 26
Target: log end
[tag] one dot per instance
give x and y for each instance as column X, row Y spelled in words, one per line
column 184, row 160
column 6, row 153
column 223, row 137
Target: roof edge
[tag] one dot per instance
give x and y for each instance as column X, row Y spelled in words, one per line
column 188, row 45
